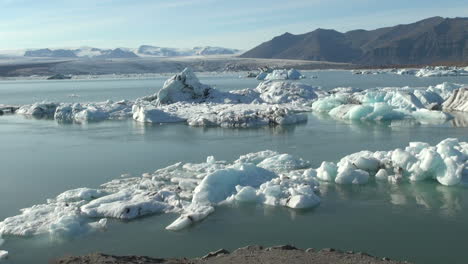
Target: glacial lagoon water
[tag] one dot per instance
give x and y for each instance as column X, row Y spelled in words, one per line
column 423, row 222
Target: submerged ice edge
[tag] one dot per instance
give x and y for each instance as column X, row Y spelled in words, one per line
column 194, row 190
column 184, row 99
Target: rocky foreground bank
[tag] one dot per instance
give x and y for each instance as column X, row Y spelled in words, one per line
column 249, row 254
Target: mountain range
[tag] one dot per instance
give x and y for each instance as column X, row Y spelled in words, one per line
column 427, row 41
column 142, row 51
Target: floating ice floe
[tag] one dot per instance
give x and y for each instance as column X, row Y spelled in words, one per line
column 447, row 163
column 267, row 177
column 390, row 103
column 228, row 115
column 429, row 71
column 79, row 112
column 193, row 190
column 439, row 71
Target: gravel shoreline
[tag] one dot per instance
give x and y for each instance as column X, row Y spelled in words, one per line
column 250, row 254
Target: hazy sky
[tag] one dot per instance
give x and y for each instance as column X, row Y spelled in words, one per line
column 186, row 23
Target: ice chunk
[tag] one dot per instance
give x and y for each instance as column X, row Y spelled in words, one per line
column 287, row 92
column 92, row 112
column 154, row 115
column 324, row 105
column 349, row 174
column 218, row 186
column 382, row 174
column 327, row 171
column 58, row 219
column 3, row 255
column 80, row 194
column 445, row 89
column 283, row 162
column 194, row 213
column 277, row 75
column 38, row 110
column 438, row 71
column 376, row 112
column 129, row 204
column 292, row 74
column 458, row 101
column 257, row 157
column 245, row 194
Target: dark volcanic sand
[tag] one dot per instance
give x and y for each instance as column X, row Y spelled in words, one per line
column 249, row 254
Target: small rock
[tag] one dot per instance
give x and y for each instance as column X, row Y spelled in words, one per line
column 282, row 247
column 385, row 259
column 248, row 248
column 215, row 253
column 350, row 252
column 328, row 250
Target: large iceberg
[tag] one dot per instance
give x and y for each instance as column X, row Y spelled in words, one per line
column 184, row 86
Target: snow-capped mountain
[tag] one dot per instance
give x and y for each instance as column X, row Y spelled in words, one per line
column 82, row 53
column 144, row 51
column 147, row 50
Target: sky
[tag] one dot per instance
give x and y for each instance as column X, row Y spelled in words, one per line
column 241, row 24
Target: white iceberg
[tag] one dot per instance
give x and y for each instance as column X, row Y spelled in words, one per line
column 184, row 86
column 445, row 163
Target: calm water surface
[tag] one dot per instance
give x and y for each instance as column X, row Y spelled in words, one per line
column 423, row 222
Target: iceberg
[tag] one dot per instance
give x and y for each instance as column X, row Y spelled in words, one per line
column 445, row 163
column 291, row 74
column 92, row 112
column 458, row 101
column 38, row 110
column 3, row 255
column 184, row 86
column 389, row 103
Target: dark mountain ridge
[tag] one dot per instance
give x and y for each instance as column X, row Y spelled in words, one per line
column 427, row 41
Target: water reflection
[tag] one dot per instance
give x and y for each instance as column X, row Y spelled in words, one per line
column 427, row 195
column 149, row 128
column 459, row 119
